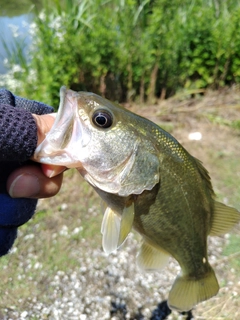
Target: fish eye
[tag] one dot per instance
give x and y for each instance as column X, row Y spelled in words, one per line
column 102, row 119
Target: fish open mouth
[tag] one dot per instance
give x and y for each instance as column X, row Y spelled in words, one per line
column 63, row 142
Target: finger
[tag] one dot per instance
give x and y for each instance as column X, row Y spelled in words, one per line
column 51, row 171
column 30, row 182
column 44, row 124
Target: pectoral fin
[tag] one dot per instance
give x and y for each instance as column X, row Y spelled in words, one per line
column 114, row 229
column 151, row 258
column 224, row 219
column 126, row 223
column 110, row 230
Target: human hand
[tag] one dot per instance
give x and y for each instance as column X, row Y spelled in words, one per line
column 24, row 181
column 35, row 180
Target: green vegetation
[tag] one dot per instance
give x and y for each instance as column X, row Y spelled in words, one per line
column 13, row 8
column 128, row 50
column 235, row 124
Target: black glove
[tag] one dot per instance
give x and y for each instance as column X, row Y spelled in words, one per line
column 7, row 98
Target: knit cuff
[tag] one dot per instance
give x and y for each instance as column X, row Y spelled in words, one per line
column 18, row 132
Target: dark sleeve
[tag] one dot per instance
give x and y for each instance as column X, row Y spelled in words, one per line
column 18, row 134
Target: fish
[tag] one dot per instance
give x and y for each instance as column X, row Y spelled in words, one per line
column 149, row 182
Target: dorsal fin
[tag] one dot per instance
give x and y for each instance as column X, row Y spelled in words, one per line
column 205, row 175
column 224, row 218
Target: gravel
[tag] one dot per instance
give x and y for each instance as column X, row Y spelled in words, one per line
column 107, row 287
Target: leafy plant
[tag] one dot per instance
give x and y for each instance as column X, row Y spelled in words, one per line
column 129, row 49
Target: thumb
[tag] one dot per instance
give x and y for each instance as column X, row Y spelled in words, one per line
column 29, row 181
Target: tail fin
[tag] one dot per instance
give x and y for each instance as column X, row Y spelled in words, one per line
column 186, row 292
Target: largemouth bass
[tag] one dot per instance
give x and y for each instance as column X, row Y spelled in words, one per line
column 149, row 182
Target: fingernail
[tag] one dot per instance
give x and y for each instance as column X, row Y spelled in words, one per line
column 51, row 171
column 25, row 186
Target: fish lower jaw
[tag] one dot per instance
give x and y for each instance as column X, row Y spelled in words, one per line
column 58, row 161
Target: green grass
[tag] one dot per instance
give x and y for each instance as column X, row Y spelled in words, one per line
column 219, row 120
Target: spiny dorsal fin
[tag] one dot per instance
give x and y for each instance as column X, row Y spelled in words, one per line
column 204, row 173
column 126, row 223
column 224, row 218
column 110, row 230
column 151, row 258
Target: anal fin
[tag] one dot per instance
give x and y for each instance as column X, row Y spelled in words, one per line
column 224, row 218
column 186, row 291
column 151, row 258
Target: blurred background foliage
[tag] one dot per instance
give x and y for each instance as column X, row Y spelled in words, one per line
column 130, row 50
column 13, row 8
